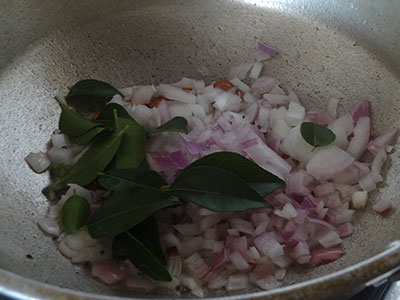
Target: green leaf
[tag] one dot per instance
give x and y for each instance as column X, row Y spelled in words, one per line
column 132, row 149
column 127, row 245
column 92, row 90
column 120, row 179
column 257, row 178
column 73, row 124
column 88, row 136
column 126, row 208
column 147, row 233
column 59, row 170
column 107, row 113
column 215, row 189
column 177, row 124
column 316, row 135
column 74, row 214
column 96, row 159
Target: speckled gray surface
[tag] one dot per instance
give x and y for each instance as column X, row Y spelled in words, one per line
column 152, row 41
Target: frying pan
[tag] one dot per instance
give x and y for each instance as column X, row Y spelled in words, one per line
column 346, row 49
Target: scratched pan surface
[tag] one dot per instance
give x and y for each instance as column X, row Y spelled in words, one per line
column 346, row 49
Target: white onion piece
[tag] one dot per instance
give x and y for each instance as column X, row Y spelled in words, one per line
column 184, row 83
column 193, row 285
column 268, row 283
column 61, row 155
column 382, row 206
column 240, row 84
column 345, row 122
column 60, row 140
column 238, row 260
column 142, row 94
column 381, row 142
column 227, row 101
column 293, row 97
column 332, row 107
column 276, row 99
column 359, row 199
column 367, row 183
column 295, row 114
column 296, row 147
column 175, row 265
column 377, row 164
column 50, row 227
column 359, row 142
column 328, row 162
column 237, row 282
column 264, row 85
column 39, row 162
column 267, row 245
column 174, row 93
column 256, row 70
column 287, row 212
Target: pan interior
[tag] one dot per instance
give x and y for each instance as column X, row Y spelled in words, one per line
column 162, row 41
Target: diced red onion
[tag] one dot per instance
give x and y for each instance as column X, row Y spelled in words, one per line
column 345, row 230
column 238, row 244
column 239, row 261
column 196, row 266
column 367, row 183
column 174, row 93
column 109, row 272
column 328, row 162
column 267, row 244
column 359, row 110
column 381, row 142
column 325, row 255
column 256, row 70
column 358, row 144
column 382, row 206
column 266, row 49
column 264, row 85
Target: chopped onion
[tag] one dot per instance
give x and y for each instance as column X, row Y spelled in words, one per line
column 328, row 162
column 142, row 94
column 359, row 199
column 174, row 93
column 358, row 143
column 38, row 161
column 381, row 142
column 332, row 107
column 237, row 282
column 256, row 70
column 382, row 206
column 239, row 261
column 295, row 114
column 266, row 49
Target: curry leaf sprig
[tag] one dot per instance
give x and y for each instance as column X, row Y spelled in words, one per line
column 116, row 143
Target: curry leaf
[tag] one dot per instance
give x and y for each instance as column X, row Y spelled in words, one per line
column 258, row 178
column 216, row 189
column 132, row 149
column 74, row 214
column 126, row 208
column 177, row 124
column 107, row 113
column 72, row 124
column 316, row 135
column 142, row 256
column 95, row 159
column 59, row 170
column 88, row 136
column 92, row 89
column 120, row 179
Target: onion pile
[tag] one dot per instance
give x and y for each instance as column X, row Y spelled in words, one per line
column 257, row 118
